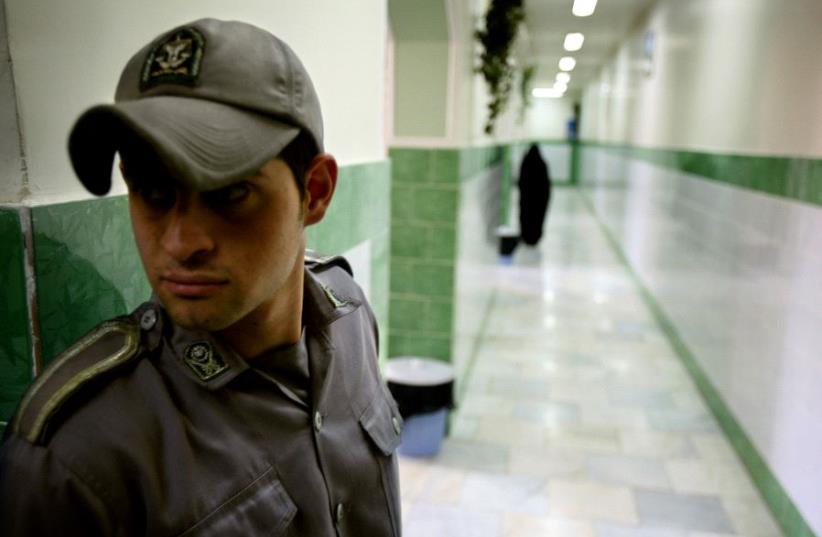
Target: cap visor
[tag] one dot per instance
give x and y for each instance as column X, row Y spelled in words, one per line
column 204, row 144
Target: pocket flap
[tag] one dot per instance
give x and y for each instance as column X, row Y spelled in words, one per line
column 383, row 423
column 261, row 508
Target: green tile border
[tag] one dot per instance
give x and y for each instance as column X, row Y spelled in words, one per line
column 575, row 163
column 462, row 383
column 425, row 199
column 360, row 209
column 505, row 187
column 775, row 496
column 794, row 178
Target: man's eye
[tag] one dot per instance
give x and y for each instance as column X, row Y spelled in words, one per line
column 157, row 196
column 230, row 195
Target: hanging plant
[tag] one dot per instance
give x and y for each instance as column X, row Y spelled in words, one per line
column 501, row 23
column 525, row 90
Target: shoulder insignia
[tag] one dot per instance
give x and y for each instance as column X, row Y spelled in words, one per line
column 105, row 348
column 332, row 297
column 318, row 261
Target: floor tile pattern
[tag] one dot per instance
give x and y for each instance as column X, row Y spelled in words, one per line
column 577, row 417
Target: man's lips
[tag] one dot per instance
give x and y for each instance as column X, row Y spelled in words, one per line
column 192, row 285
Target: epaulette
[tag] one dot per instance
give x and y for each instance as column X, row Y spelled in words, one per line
column 313, row 260
column 106, row 348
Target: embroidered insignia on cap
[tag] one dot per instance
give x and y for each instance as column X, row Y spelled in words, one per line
column 205, row 363
column 174, row 60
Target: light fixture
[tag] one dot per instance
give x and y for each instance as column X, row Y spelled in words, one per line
column 567, row 63
column 546, row 93
column 584, row 8
column 563, row 77
column 560, row 86
column 573, row 41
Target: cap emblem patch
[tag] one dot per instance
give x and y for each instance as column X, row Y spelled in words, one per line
column 174, row 60
column 205, row 363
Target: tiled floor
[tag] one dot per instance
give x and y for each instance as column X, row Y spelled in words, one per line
column 577, row 418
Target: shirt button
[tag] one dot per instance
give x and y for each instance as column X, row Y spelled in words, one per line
column 148, row 320
column 396, row 423
column 340, row 512
column 318, row 421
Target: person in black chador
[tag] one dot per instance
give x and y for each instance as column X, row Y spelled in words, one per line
column 534, row 195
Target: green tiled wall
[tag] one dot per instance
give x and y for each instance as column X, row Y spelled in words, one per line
column 425, row 202
column 795, row 178
column 87, row 268
column 361, row 211
column 15, row 340
column 424, row 197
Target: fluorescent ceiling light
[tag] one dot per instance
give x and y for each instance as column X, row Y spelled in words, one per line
column 567, row 63
column 584, row 8
column 573, row 41
column 563, row 77
column 546, row 93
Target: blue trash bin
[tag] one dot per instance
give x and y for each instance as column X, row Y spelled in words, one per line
column 424, row 391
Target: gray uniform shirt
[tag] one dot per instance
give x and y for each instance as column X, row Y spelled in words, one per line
column 145, row 428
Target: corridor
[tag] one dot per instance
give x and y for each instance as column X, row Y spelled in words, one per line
column 576, row 417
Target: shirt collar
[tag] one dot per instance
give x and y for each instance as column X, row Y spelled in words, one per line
column 204, row 358
column 212, row 364
column 199, row 355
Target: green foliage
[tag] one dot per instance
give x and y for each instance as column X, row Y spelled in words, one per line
column 525, row 89
column 502, row 21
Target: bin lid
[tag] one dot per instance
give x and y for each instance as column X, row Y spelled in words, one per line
column 418, row 371
column 507, row 231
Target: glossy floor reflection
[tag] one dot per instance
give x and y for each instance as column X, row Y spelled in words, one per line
column 577, row 418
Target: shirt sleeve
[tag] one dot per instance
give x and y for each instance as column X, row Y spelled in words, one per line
column 41, row 495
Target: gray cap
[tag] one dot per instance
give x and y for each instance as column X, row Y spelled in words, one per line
column 214, row 99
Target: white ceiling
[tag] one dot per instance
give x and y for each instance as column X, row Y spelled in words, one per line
column 547, row 22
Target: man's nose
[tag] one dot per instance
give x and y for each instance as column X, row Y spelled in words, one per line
column 187, row 237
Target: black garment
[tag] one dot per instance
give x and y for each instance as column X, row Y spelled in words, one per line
column 534, row 195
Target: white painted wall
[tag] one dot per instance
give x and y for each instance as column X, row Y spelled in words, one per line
column 546, row 119
column 728, row 76
column 467, row 94
column 463, row 16
column 736, row 270
column 457, row 90
column 12, row 171
column 67, row 56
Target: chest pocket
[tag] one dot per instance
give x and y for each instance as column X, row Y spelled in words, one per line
column 382, row 421
column 262, row 508
column 382, row 424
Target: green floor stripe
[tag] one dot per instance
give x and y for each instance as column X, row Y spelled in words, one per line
column 775, row 496
column 472, row 356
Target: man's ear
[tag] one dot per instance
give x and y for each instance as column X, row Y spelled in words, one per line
column 320, row 182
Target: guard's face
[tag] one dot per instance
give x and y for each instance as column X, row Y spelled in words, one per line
column 220, row 257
